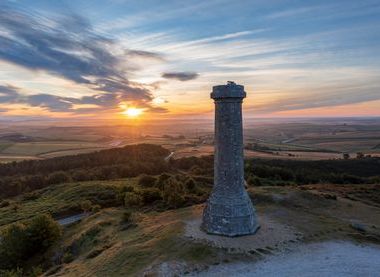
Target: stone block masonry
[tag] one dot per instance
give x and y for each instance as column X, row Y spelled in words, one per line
column 229, row 210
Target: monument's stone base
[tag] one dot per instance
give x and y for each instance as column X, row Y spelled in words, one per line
column 230, row 216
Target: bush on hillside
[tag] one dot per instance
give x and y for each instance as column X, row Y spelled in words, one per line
column 190, row 185
column 18, row 272
column 196, row 170
column 147, row 180
column 14, row 246
column 133, row 199
column 35, row 181
column 58, row 178
column 127, row 216
column 21, row 241
column 150, row 195
column 254, row 181
column 173, row 193
column 4, row 203
column 43, row 231
column 80, row 175
column 160, row 183
column 95, row 208
column 31, row 195
column 86, row 205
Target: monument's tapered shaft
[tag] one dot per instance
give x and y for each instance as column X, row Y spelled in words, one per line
column 229, row 210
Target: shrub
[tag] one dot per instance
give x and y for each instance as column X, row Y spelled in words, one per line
column 352, row 179
column 121, row 192
column 190, row 185
column 21, row 241
column 14, row 246
column 264, row 171
column 150, row 195
column 80, row 175
column 179, row 177
column 147, row 180
column 95, row 208
column 43, row 231
column 254, row 181
column 35, row 181
column 196, row 170
column 68, row 257
column 127, row 216
column 36, row 271
column 132, row 199
column 128, row 188
column 31, row 195
column 18, row 272
column 86, row 205
column 4, row 203
column 16, row 206
column 374, row 180
column 160, row 183
column 58, row 178
column 173, row 193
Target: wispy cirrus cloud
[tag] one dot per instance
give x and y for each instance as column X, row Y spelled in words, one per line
column 12, row 95
column 145, row 54
column 327, row 10
column 54, row 103
column 163, row 11
column 68, row 47
column 331, row 97
column 8, row 93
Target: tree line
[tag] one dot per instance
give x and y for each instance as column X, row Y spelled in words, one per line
column 294, row 172
column 129, row 161
column 297, row 172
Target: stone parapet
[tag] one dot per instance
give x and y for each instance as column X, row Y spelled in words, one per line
column 231, row 90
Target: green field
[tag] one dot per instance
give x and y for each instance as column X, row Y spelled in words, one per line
column 366, row 145
column 4, row 146
column 15, row 151
column 39, row 148
column 306, row 139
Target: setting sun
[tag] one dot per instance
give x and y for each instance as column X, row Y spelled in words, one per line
column 133, row 112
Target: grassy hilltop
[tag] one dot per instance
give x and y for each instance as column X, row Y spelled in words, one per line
column 138, row 204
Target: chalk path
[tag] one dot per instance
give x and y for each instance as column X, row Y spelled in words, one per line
column 333, row 258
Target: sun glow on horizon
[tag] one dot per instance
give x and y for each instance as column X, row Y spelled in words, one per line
column 132, row 112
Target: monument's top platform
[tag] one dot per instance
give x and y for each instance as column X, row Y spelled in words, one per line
column 231, row 90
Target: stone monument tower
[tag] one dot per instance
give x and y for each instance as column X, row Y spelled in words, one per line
column 229, row 210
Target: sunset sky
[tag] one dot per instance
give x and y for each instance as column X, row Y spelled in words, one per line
column 160, row 59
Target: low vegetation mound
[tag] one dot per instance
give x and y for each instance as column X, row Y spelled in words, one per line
column 22, row 240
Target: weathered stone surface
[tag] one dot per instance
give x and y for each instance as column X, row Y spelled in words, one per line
column 229, row 210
